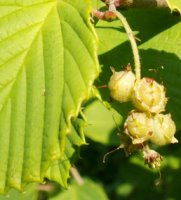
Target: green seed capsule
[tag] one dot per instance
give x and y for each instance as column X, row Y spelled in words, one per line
column 149, row 96
column 138, row 127
column 163, row 130
column 121, row 85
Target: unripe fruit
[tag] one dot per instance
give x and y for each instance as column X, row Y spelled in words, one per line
column 138, row 127
column 163, row 130
column 121, row 85
column 149, row 96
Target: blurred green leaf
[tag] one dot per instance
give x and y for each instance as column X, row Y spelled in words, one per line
column 102, row 123
column 88, row 191
column 30, row 193
column 97, row 3
column 174, row 5
column 124, row 189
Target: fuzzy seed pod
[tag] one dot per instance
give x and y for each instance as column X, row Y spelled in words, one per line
column 138, row 127
column 163, row 130
column 149, row 96
column 121, row 85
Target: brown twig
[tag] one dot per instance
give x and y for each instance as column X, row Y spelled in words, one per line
column 144, row 3
column 45, row 188
column 140, row 3
column 76, row 175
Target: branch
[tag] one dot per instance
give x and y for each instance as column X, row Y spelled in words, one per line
column 140, row 3
column 76, row 175
column 144, row 3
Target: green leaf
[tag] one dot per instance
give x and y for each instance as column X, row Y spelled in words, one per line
column 102, row 123
column 47, row 67
column 89, row 191
column 30, row 193
column 159, row 51
column 174, row 5
column 59, row 170
column 97, row 4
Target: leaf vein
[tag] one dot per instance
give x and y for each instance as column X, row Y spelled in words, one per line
column 80, row 71
column 81, row 41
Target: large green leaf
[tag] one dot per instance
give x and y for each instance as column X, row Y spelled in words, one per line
column 89, row 191
column 174, row 5
column 159, row 48
column 59, row 170
column 47, row 68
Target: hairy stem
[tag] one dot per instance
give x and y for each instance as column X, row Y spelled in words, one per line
column 131, row 39
column 133, row 44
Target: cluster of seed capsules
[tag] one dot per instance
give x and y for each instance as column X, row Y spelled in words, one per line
column 146, row 123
